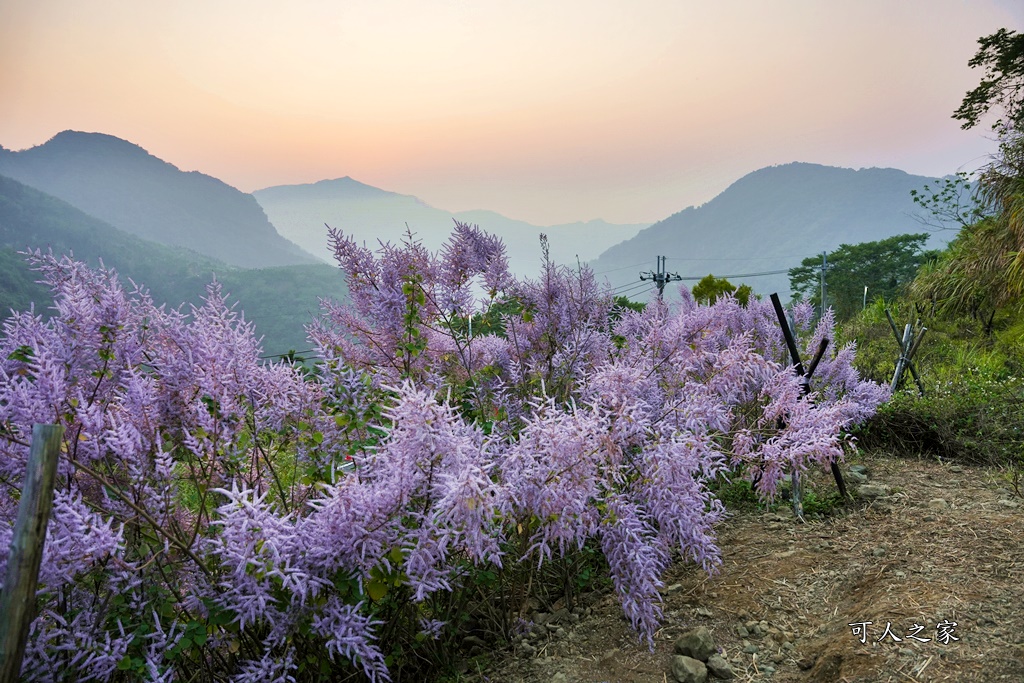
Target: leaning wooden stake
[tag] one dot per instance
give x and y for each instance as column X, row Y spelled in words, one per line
column 908, row 343
column 806, row 375
column 18, row 599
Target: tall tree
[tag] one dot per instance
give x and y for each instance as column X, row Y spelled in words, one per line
column 983, row 270
column 885, row 267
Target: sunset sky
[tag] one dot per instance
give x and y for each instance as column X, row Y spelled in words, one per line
column 548, row 111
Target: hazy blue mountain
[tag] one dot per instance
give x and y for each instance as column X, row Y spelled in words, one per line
column 771, row 220
column 279, row 300
column 122, row 184
column 300, row 213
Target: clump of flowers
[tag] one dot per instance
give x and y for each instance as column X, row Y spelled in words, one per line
column 218, row 517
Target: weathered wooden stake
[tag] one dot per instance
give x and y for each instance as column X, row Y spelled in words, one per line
column 18, row 598
column 908, row 343
column 806, row 375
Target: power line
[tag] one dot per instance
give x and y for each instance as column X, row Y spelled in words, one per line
column 762, row 273
column 629, row 295
column 624, row 288
column 635, row 265
column 749, row 258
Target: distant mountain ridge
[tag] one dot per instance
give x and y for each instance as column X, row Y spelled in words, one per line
column 770, row 220
column 278, row 300
column 122, row 184
column 369, row 214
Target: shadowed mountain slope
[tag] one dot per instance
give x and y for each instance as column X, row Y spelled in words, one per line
column 125, row 186
column 278, row 300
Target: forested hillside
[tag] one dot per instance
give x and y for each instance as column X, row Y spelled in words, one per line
column 122, row 184
column 278, row 300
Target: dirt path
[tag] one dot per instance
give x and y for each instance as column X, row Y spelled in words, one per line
column 946, row 545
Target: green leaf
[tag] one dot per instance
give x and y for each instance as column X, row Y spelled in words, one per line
column 376, row 590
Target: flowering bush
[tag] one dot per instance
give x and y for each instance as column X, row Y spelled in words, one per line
column 221, row 518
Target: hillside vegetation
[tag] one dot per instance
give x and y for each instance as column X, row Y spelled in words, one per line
column 280, row 301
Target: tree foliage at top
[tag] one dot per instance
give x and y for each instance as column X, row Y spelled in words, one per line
column 982, row 271
column 1002, row 56
column 885, row 267
column 710, row 289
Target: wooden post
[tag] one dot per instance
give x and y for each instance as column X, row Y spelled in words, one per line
column 18, row 599
column 787, row 334
column 908, row 344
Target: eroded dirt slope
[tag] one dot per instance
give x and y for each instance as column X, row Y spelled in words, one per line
column 943, row 544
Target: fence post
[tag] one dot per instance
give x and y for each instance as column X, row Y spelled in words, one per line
column 18, row 598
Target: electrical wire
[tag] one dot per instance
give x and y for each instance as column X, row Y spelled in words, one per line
column 613, row 270
column 763, row 273
column 624, row 288
column 630, row 295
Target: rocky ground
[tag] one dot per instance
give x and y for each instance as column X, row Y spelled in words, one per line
column 933, row 551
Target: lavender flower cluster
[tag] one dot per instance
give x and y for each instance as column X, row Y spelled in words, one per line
column 215, row 513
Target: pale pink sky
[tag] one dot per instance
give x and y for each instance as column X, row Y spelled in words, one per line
column 544, row 110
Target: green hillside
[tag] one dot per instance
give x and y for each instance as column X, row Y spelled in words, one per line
column 125, row 186
column 278, row 300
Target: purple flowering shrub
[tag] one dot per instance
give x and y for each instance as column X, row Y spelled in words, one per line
column 464, row 438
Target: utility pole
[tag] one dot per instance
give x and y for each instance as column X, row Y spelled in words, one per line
column 660, row 277
column 824, row 267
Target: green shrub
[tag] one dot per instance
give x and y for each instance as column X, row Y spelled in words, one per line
column 973, row 418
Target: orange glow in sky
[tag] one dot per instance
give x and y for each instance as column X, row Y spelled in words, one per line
column 547, row 111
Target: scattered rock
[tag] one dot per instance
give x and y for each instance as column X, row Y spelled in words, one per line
column 807, row 662
column 560, row 616
column 559, row 678
column 938, row 504
column 689, row 670
column 750, row 648
column 859, row 469
column 704, row 612
column 742, row 631
column 474, row 640
column 856, row 477
column 873, row 491
column 878, row 551
column 1007, row 503
column 719, row 667
column 697, row 644
column 956, row 468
